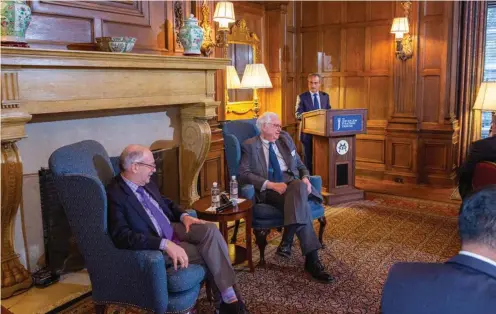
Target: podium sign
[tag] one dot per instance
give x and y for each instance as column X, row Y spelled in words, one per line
column 347, row 122
column 334, row 150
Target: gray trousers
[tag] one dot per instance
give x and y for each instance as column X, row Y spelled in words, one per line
column 297, row 213
column 205, row 245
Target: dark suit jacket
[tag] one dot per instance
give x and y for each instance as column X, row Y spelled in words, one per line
column 253, row 165
column 482, row 150
column 129, row 225
column 306, row 104
column 462, row 285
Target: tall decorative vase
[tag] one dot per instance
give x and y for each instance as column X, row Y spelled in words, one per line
column 191, row 36
column 15, row 19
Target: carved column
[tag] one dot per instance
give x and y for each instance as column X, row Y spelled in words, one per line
column 196, row 138
column 14, row 276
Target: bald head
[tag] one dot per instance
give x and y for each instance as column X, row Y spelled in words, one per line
column 131, row 154
column 137, row 164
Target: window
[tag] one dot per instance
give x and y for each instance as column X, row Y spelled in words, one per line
column 489, row 61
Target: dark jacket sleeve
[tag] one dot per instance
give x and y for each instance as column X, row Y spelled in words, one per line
column 176, row 210
column 123, row 236
column 300, row 107
column 246, row 176
column 302, row 169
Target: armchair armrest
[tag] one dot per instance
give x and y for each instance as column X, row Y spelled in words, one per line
column 247, row 191
column 192, row 213
column 316, row 182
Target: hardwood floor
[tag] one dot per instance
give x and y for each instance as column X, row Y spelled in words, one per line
column 419, row 191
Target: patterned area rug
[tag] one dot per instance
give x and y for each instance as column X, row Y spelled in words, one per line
column 364, row 239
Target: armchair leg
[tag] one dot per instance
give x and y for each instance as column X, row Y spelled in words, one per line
column 261, row 240
column 235, row 233
column 99, row 308
column 323, row 223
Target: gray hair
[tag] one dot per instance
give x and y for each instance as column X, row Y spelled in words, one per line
column 315, row 75
column 129, row 157
column 477, row 221
column 266, row 117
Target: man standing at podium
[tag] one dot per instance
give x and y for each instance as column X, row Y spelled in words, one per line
column 311, row 100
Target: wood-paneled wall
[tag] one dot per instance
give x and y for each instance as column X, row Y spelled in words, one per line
column 412, row 126
column 57, row 24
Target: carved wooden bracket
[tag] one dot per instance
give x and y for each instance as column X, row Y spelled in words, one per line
column 404, row 50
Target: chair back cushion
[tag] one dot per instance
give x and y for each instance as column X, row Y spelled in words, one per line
column 484, row 174
column 235, row 133
column 85, row 157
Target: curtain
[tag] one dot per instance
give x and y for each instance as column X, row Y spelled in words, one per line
column 471, row 68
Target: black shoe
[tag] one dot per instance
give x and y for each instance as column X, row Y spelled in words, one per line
column 317, row 271
column 237, row 307
column 284, row 249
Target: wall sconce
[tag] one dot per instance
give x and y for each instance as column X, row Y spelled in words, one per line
column 255, row 76
column 224, row 14
column 400, row 29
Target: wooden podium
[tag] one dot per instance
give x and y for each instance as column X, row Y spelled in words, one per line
column 334, row 150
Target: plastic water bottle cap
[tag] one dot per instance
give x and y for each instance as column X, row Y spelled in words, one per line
column 233, row 177
column 215, row 184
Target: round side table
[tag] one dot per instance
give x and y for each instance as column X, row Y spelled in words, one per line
column 241, row 211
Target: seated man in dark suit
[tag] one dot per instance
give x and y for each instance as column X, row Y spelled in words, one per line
column 270, row 162
column 481, row 150
column 140, row 219
column 464, row 284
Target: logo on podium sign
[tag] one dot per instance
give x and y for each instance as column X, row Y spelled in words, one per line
column 346, row 123
column 342, row 147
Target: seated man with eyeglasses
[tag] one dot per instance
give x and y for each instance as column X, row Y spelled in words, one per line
column 141, row 219
column 270, row 162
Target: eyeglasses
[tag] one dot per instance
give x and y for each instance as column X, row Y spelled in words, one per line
column 277, row 126
column 151, row 166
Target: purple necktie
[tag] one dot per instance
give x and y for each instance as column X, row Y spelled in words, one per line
column 163, row 222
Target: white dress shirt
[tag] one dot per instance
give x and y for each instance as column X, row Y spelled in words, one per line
column 280, row 159
column 479, row 257
column 318, row 100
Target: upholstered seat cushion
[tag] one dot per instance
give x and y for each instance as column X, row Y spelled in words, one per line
column 182, row 301
column 184, row 279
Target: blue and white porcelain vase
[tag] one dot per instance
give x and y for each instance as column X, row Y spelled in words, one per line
column 15, row 19
column 191, row 36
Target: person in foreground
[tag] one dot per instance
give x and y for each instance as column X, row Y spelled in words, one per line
column 313, row 99
column 481, row 150
column 464, row 284
column 270, row 162
column 141, row 219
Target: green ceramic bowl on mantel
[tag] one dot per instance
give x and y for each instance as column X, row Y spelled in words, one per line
column 15, row 17
column 115, row 44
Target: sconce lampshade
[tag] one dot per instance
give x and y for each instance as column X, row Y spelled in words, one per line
column 255, row 76
column 486, row 98
column 399, row 27
column 224, row 14
column 232, row 78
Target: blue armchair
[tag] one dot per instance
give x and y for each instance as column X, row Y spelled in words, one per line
column 137, row 278
column 265, row 217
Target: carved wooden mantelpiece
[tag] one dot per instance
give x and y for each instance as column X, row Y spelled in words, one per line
column 48, row 82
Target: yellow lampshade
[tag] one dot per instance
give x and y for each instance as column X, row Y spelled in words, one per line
column 232, row 78
column 400, row 26
column 486, row 98
column 255, row 76
column 224, row 14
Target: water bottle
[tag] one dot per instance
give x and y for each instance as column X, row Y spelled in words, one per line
column 233, row 191
column 215, row 195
